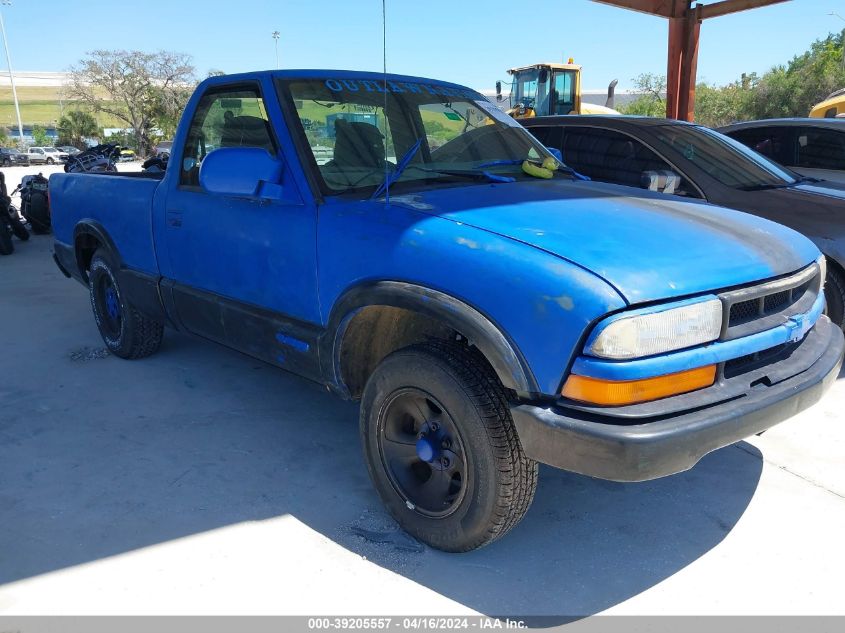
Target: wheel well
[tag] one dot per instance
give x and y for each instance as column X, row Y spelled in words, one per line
column 376, row 331
column 86, row 245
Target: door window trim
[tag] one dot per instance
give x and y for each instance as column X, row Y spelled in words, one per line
column 223, row 88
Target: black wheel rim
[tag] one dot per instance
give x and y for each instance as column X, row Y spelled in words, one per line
column 422, row 453
column 108, row 305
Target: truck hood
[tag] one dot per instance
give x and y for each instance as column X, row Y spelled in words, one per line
column 648, row 246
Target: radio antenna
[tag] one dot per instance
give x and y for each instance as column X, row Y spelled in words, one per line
column 384, row 69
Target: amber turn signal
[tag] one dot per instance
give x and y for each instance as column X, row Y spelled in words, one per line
column 621, row 392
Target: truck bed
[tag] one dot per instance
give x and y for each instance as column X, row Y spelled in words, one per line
column 122, row 202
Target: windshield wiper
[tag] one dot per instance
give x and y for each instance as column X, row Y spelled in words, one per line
column 767, row 186
column 469, row 174
column 393, row 176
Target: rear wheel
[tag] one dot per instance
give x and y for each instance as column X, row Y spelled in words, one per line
column 126, row 332
column 442, row 449
column 50, row 161
column 18, row 227
column 834, row 294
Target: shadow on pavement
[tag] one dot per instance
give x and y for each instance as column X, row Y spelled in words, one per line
column 225, row 440
column 102, row 456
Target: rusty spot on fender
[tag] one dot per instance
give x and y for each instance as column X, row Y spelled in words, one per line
column 564, row 301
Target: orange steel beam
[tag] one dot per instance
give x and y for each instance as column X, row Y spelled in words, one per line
column 716, row 9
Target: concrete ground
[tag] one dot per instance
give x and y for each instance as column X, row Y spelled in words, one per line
column 200, row 481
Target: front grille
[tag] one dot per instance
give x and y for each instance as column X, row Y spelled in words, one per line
column 761, row 307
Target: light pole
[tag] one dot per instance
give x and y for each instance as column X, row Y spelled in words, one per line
column 8, row 3
column 276, row 41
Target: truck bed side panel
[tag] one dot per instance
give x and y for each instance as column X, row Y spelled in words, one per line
column 122, row 205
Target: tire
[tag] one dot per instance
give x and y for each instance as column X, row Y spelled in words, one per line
column 50, row 161
column 834, row 294
column 442, row 403
column 7, row 163
column 126, row 332
column 6, row 245
column 18, row 229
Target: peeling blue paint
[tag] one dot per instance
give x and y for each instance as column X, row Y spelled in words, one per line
column 295, row 343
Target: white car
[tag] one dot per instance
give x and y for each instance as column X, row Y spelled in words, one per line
column 46, row 155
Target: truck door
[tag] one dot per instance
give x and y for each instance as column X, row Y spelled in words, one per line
column 239, row 270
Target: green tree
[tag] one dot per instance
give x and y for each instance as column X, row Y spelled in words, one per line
column 652, row 99
column 39, row 136
column 75, row 127
column 144, row 90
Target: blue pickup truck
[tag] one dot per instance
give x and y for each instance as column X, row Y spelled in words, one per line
column 403, row 242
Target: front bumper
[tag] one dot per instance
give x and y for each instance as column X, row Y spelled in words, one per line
column 611, row 447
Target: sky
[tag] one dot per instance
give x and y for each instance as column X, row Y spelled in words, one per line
column 470, row 43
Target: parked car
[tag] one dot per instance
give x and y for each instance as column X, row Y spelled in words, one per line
column 127, row 156
column 56, row 154
column 164, row 147
column 811, row 147
column 695, row 162
column 11, row 157
column 46, row 155
column 488, row 307
column 70, row 150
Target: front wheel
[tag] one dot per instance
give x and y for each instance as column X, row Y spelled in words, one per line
column 442, row 449
column 834, row 294
column 126, row 332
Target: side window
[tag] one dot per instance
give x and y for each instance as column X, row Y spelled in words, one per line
column 768, row 141
column 549, row 136
column 830, row 113
column 225, row 117
column 610, row 156
column 821, row 149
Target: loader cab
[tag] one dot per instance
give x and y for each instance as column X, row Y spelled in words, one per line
column 545, row 89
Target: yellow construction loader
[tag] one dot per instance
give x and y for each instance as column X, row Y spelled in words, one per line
column 545, row 89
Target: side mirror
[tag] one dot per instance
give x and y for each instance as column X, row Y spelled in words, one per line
column 543, row 76
column 498, row 91
column 249, row 172
column 554, row 151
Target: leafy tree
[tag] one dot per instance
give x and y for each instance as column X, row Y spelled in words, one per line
column 75, row 127
column 652, row 101
column 144, row 90
column 39, row 137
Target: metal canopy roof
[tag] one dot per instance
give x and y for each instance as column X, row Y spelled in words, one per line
column 678, row 8
column 684, row 27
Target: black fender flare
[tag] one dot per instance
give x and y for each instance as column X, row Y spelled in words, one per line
column 97, row 231
column 482, row 332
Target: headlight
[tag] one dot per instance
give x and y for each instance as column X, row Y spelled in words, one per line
column 626, row 337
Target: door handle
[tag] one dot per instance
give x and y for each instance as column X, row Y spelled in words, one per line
column 174, row 219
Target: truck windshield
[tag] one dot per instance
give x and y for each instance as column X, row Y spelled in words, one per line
column 355, row 141
column 728, row 161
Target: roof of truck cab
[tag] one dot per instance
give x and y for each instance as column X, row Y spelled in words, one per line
column 320, row 73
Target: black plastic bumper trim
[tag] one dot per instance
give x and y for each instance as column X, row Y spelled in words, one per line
column 608, row 450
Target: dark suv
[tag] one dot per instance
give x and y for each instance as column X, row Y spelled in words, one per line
column 10, row 157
